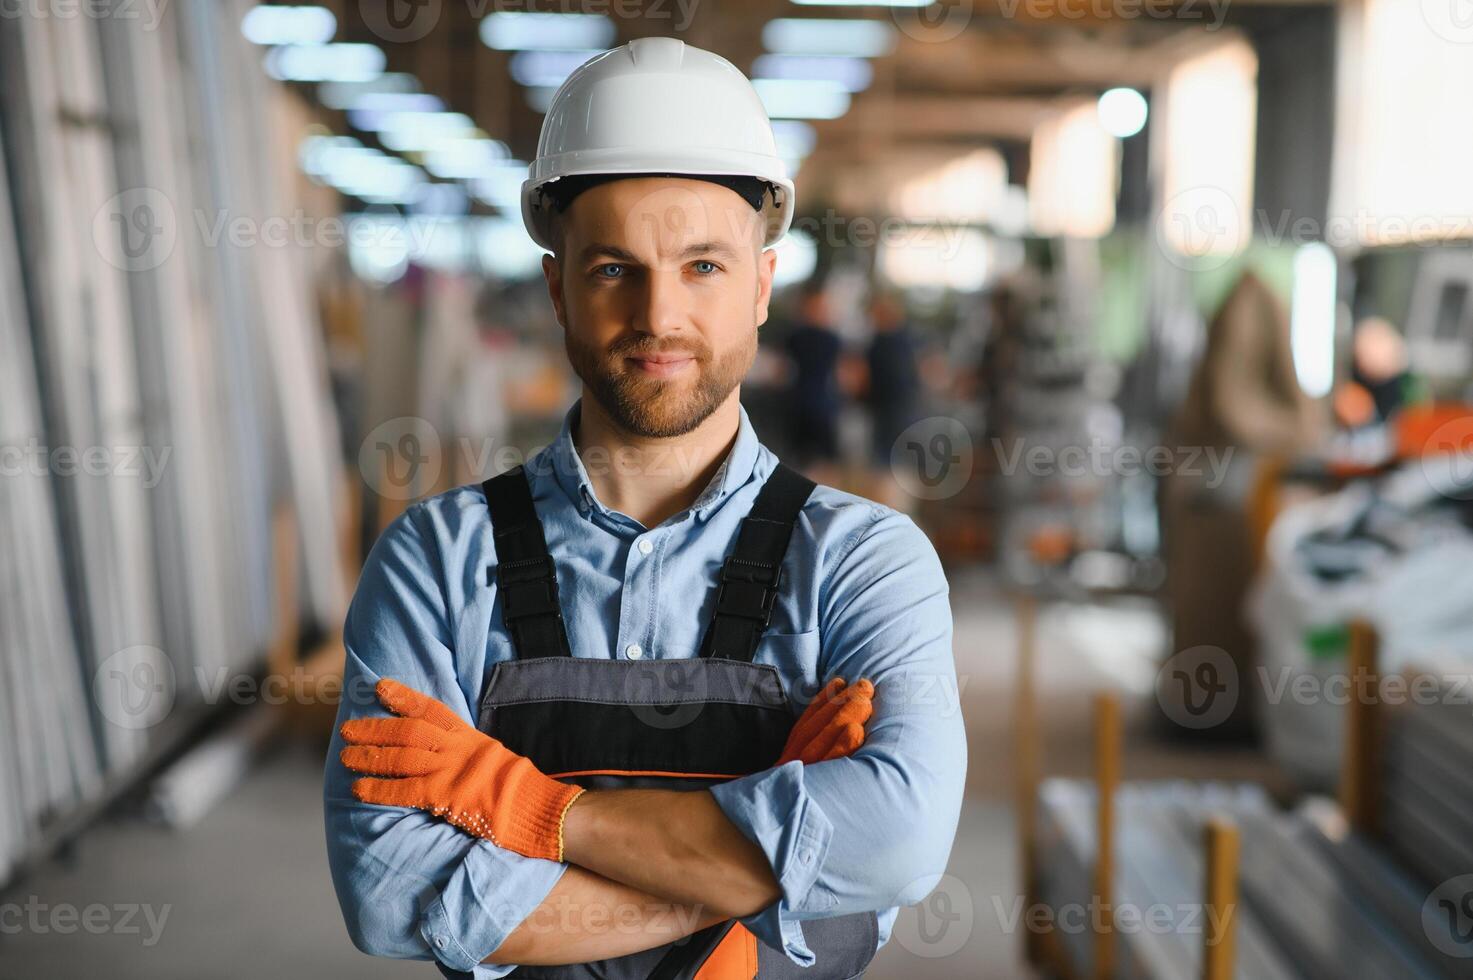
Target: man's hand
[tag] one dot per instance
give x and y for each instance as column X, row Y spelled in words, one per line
column 436, row 761
column 832, row 726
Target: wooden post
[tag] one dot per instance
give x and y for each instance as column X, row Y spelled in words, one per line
column 1221, row 897
column 1107, row 779
column 1026, row 755
column 1359, row 778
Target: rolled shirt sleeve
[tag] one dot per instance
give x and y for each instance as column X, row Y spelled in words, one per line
column 873, row 831
column 411, row 886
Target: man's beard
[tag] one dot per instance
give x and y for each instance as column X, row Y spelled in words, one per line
column 655, row 408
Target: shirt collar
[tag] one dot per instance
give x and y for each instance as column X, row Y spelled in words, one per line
column 735, row 471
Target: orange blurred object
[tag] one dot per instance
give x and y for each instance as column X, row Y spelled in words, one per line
column 1433, row 430
column 1052, row 544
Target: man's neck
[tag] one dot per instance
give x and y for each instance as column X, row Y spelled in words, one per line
column 652, row 479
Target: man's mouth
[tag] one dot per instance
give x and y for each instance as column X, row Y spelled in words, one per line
column 661, row 365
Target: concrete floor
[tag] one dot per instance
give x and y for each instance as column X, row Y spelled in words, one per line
column 247, row 894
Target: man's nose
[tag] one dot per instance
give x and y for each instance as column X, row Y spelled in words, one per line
column 663, row 306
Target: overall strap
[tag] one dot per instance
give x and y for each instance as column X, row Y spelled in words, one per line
column 525, row 573
column 750, row 575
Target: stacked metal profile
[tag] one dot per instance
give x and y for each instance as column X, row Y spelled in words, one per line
column 160, row 389
column 1427, row 798
column 1316, row 902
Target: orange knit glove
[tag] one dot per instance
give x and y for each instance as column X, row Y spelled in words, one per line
column 436, row 761
column 833, row 724
column 831, row 727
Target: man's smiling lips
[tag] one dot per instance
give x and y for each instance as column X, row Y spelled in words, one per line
column 660, row 365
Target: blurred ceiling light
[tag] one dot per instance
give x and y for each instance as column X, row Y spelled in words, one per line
column 342, row 95
column 1210, row 110
column 828, row 36
column 442, row 199
column 1072, row 175
column 273, row 24
column 547, row 69
column 501, row 186
column 794, row 138
column 505, row 250
column 797, row 257
column 1312, row 318
column 315, row 152
column 861, row 3
column 466, row 159
column 791, row 98
column 940, row 256
column 378, row 246
column 1122, row 112
column 520, row 30
column 325, row 62
column 854, row 74
column 411, row 131
column 373, row 113
column 1402, row 140
column 965, row 189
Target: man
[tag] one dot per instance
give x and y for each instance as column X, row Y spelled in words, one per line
column 814, row 396
column 570, row 693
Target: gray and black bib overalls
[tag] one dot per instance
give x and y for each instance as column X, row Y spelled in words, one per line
column 685, row 723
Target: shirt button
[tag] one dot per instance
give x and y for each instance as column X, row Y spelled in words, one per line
column 440, row 942
column 645, row 547
column 634, row 651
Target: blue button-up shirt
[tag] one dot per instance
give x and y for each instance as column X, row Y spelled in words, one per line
column 863, row 596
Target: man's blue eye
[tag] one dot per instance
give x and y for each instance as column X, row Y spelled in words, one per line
column 610, row 270
column 710, row 267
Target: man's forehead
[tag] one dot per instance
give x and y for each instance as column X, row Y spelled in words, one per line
column 665, row 216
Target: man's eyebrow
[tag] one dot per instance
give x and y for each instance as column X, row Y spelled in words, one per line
column 612, row 251
column 593, row 249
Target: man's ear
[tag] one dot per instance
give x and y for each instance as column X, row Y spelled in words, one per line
column 552, row 271
column 766, row 265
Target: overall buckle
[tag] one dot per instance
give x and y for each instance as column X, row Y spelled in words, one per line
column 748, row 590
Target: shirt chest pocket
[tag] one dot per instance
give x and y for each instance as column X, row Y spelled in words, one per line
column 796, row 657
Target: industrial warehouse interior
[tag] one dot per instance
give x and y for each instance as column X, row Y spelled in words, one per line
column 1118, row 355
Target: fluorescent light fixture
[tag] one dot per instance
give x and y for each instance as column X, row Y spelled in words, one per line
column 546, row 69
column 378, row 246
column 505, row 250
column 786, row 98
column 441, row 199
column 854, row 74
column 861, row 3
column 407, row 132
column 501, row 186
column 1122, row 112
column 316, row 153
column 374, row 113
column 520, row 30
column 272, row 24
column 795, row 138
column 797, row 257
column 1312, row 318
column 828, row 36
column 465, row 159
column 342, row 95
column 325, row 62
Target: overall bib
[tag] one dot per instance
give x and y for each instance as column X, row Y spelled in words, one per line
column 682, row 724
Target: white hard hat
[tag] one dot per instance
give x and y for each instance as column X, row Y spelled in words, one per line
column 656, row 105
